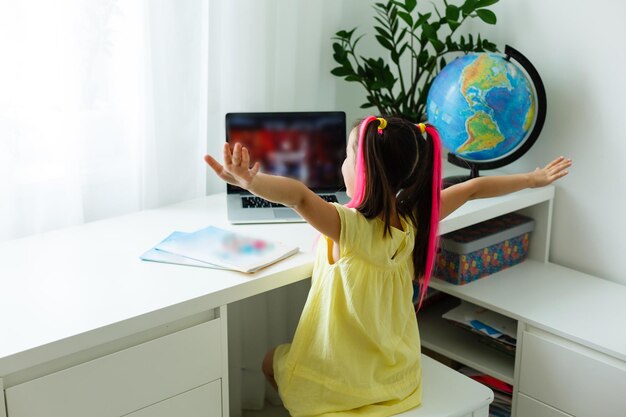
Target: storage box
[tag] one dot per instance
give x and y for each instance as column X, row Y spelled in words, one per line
column 484, row 248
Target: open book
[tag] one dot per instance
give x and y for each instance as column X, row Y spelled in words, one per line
column 213, row 247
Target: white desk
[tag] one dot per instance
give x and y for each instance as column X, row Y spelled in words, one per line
column 75, row 295
column 74, row 299
column 89, row 329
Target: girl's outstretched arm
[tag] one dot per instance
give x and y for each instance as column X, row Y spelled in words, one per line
column 292, row 193
column 455, row 196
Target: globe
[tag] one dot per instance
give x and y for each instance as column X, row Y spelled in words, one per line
column 486, row 108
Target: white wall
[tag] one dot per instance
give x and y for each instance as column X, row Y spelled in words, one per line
column 579, row 50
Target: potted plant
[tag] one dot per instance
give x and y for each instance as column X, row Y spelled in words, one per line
column 402, row 87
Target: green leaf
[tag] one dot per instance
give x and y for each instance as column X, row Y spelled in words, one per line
column 342, row 34
column 438, row 45
column 468, row 7
column 342, row 71
column 341, row 59
column 442, row 62
column 345, row 34
column 421, row 19
column 451, row 45
column 491, row 47
column 395, row 57
column 384, row 42
column 479, row 45
column 367, row 105
column 353, row 78
column 408, row 19
column 401, row 36
column 388, row 77
column 485, row 3
column 402, row 49
column 422, row 58
column 487, row 16
column 393, row 16
column 356, row 41
column 382, row 22
column 382, row 6
column 409, row 5
column 429, row 31
column 383, row 32
column 394, row 26
column 454, row 25
column 452, row 13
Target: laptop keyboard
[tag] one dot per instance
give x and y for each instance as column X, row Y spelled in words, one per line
column 254, row 202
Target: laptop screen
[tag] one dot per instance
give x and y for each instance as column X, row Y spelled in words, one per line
column 307, row 146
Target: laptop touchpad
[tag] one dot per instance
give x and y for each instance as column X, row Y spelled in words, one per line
column 285, row 214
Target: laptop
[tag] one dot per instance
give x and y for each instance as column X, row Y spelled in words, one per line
column 307, row 146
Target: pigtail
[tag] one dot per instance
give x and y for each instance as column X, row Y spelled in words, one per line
column 419, row 200
column 433, row 232
column 360, row 169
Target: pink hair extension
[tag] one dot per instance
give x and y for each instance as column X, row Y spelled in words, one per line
column 359, row 172
column 433, row 237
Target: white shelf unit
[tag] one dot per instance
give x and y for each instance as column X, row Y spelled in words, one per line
column 573, row 310
column 455, row 343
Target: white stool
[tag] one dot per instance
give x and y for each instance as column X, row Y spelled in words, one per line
column 448, row 393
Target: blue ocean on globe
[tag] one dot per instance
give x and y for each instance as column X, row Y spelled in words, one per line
column 483, row 106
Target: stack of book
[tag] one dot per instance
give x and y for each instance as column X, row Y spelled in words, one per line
column 490, row 327
column 502, row 392
column 213, row 247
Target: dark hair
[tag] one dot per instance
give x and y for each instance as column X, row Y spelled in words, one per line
column 399, row 176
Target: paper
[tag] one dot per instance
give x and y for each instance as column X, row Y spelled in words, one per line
column 214, row 247
column 156, row 255
column 485, row 321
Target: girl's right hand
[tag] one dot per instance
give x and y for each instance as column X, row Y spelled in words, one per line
column 236, row 169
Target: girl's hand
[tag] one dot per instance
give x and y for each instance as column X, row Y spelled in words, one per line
column 236, row 169
column 551, row 172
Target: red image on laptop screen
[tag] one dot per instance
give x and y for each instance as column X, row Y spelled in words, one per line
column 309, row 147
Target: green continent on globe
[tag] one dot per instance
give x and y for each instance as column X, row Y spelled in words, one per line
column 484, row 74
column 530, row 116
column 483, row 134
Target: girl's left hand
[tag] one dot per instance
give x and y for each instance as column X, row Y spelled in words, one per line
column 236, row 169
column 551, row 172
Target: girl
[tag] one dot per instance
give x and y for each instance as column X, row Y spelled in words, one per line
column 356, row 350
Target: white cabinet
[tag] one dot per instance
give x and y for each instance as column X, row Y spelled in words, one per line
column 528, row 407
column 571, row 377
column 204, row 401
column 178, row 371
column 571, row 357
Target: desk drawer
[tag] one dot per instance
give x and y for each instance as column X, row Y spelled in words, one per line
column 529, row 407
column 124, row 381
column 571, row 377
column 204, row 401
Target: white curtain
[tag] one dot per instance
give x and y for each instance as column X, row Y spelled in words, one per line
column 103, row 109
column 107, row 107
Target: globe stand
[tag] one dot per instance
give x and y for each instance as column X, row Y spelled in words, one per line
column 540, row 91
column 457, row 179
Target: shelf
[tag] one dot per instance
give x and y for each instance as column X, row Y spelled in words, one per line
column 455, row 343
column 554, row 298
column 476, row 211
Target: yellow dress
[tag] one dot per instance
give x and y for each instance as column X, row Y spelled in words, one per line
column 356, row 350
